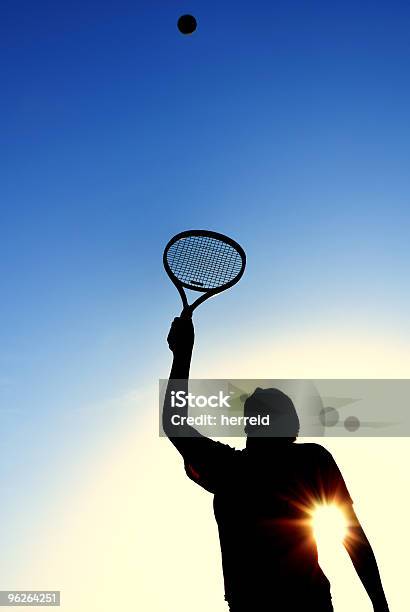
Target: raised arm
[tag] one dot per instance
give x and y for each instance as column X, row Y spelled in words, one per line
column 181, row 342
column 364, row 561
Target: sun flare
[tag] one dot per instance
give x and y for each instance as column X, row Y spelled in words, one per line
column 329, row 525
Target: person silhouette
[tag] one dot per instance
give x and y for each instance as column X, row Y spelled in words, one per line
column 263, row 499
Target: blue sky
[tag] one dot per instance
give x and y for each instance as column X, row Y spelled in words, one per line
column 282, row 124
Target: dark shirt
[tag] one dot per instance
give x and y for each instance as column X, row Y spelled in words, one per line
column 263, row 504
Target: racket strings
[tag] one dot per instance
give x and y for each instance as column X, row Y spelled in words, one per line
column 204, row 262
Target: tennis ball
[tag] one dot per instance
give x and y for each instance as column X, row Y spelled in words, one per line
column 186, row 24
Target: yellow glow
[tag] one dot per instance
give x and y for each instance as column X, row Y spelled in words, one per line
column 329, row 526
column 116, row 539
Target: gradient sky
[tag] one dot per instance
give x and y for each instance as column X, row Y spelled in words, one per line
column 283, row 124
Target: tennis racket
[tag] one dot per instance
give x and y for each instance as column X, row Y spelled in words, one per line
column 203, row 261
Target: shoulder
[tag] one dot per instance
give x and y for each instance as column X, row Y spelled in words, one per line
column 310, row 447
column 314, row 450
column 206, row 449
column 229, row 454
column 221, row 447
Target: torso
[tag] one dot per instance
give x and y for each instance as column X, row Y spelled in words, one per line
column 263, row 519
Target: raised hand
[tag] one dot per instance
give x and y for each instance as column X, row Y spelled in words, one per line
column 181, row 336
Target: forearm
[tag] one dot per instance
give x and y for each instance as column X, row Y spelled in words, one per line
column 181, row 365
column 173, row 413
column 364, row 561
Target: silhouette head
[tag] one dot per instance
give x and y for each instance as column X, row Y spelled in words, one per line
column 272, row 403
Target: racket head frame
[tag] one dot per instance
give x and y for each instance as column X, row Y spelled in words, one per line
column 207, row 293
